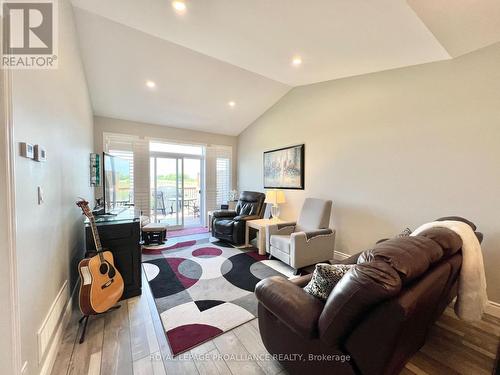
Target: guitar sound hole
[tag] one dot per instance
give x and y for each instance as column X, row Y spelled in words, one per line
column 103, row 269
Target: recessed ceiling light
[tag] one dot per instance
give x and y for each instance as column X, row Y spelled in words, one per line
column 231, row 103
column 179, row 6
column 296, row 61
column 150, row 84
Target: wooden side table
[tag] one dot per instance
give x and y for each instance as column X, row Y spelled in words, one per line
column 260, row 225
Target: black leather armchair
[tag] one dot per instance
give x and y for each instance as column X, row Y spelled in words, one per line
column 230, row 225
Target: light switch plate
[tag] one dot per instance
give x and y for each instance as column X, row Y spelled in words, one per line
column 40, row 154
column 40, row 195
column 27, row 150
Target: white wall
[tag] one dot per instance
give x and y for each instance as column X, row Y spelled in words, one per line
column 394, row 149
column 51, row 108
column 112, row 125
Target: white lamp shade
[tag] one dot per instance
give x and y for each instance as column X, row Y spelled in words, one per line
column 275, row 196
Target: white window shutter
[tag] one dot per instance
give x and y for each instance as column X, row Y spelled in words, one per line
column 142, row 192
column 223, row 173
column 211, row 178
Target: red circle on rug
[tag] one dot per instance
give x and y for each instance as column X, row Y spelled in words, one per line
column 187, row 336
column 207, row 251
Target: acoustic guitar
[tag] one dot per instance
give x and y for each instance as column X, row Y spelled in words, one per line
column 101, row 285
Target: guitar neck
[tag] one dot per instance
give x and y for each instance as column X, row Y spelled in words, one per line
column 95, row 234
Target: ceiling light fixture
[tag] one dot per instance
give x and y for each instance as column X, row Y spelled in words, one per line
column 179, row 6
column 231, row 103
column 296, row 61
column 150, row 84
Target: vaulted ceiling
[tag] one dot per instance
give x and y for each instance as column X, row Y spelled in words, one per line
column 222, row 51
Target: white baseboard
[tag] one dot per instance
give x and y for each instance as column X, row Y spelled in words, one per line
column 48, row 356
column 340, row 256
column 493, row 308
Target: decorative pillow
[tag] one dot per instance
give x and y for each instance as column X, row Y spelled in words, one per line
column 324, row 279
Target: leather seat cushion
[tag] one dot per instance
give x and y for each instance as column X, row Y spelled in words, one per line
column 409, row 256
column 224, row 226
column 281, row 242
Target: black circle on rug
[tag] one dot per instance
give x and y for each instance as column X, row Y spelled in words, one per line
column 168, row 281
column 240, row 274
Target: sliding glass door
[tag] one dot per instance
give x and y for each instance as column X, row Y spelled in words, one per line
column 176, row 187
column 192, row 185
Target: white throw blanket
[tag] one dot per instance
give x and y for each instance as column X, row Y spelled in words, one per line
column 472, row 297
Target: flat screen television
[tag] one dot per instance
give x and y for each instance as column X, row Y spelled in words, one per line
column 116, row 183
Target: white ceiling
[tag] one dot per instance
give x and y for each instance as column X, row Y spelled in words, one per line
column 192, row 90
column 222, row 50
column 461, row 26
column 336, row 38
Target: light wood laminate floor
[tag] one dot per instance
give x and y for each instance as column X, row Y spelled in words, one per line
column 131, row 341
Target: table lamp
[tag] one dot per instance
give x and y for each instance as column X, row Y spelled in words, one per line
column 275, row 197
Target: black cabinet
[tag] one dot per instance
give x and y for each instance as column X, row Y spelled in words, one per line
column 121, row 235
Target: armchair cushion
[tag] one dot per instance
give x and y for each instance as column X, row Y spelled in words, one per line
column 281, row 242
column 224, row 226
column 224, row 213
column 324, row 279
column 294, row 307
column 283, row 229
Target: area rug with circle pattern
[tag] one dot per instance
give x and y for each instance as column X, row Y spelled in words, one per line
column 205, row 289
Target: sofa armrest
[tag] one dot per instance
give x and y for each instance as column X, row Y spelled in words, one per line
column 290, row 304
column 246, row 217
column 224, row 213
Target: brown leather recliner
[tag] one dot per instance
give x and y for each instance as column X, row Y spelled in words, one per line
column 230, row 225
column 376, row 317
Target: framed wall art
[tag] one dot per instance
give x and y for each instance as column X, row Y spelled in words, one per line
column 284, row 168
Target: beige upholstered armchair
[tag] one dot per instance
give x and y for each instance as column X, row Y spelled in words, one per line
column 305, row 242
